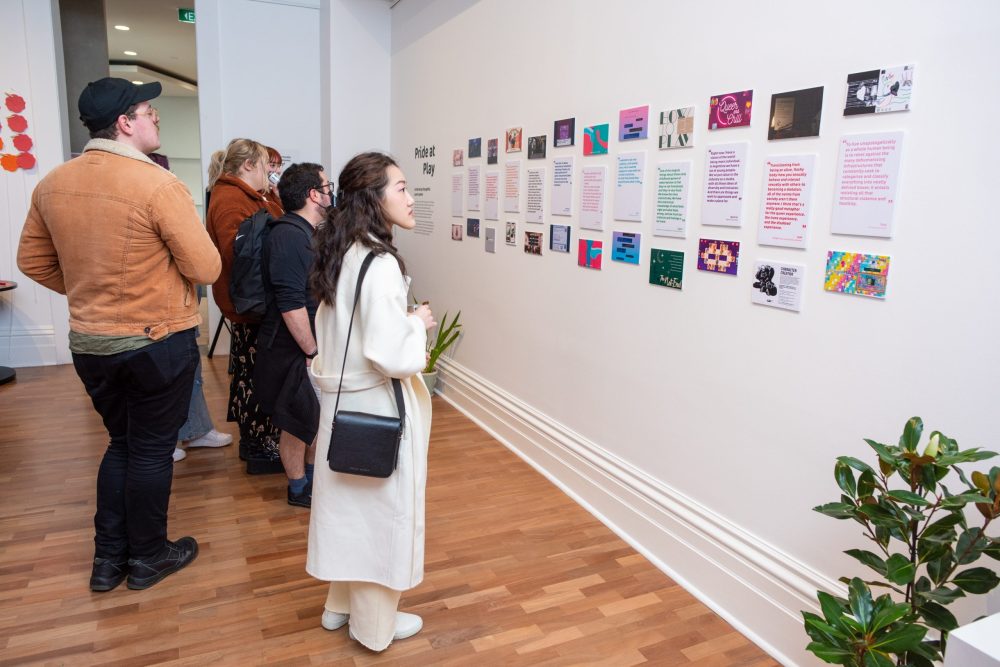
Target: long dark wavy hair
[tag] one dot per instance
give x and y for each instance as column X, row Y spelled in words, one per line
column 357, row 217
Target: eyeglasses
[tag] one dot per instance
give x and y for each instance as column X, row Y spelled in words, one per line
column 153, row 114
column 328, row 184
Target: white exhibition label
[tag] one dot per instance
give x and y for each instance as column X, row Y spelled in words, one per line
column 778, row 284
column 562, row 186
column 474, row 188
column 672, row 187
column 512, row 187
column 536, row 193
column 787, row 203
column 492, row 195
column 456, row 195
column 628, row 186
column 864, row 200
column 724, row 174
column 592, row 198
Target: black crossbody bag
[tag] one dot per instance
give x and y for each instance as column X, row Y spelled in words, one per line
column 363, row 443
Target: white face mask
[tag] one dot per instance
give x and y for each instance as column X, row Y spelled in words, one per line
column 273, row 178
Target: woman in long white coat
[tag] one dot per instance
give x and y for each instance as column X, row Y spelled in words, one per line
column 366, row 534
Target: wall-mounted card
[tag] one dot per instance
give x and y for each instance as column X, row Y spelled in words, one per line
column 559, row 238
column 625, row 247
column 589, row 253
column 510, row 237
column 536, row 147
column 716, row 256
column 492, row 195
column 666, row 268
column 562, row 186
column 677, row 128
column 730, row 110
column 795, row 114
column 778, row 284
column 456, row 195
column 457, row 157
column 533, row 243
column 595, row 140
column 473, row 190
column 633, row 123
column 476, row 147
column 456, row 232
column 672, row 179
column 564, row 133
column 514, row 140
column 864, row 199
column 512, row 186
column 629, row 186
column 879, row 90
column 472, row 228
column 725, row 171
column 491, row 239
column 787, row 204
column 592, row 198
column 535, row 199
column 856, row 273
column 491, row 151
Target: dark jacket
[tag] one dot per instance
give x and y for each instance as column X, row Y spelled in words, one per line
column 286, row 260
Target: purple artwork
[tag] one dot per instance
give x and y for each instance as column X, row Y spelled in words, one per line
column 730, row 110
column 718, row 256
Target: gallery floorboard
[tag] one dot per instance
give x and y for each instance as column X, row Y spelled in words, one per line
column 516, row 572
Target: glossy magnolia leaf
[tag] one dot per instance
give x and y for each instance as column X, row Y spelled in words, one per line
column 857, row 464
column 911, row 434
column 832, row 608
column 939, row 569
column 903, row 638
column 971, row 545
column 875, row 659
column 928, row 550
column 937, row 616
column 859, row 598
column 845, row 478
column 888, row 615
column 836, row 510
column 993, row 551
column 868, row 558
column 822, row 631
column 884, row 453
column 976, row 580
column 899, row 570
column 833, row 654
column 962, row 499
column 981, row 481
column 866, row 484
column 943, row 595
column 908, row 497
column 966, row 456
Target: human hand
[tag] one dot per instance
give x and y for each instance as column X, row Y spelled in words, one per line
column 423, row 311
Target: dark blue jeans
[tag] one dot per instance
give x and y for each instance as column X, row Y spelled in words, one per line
column 142, row 396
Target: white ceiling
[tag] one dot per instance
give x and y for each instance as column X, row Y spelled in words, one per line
column 163, row 45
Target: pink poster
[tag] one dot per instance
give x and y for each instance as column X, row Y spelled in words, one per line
column 730, row 110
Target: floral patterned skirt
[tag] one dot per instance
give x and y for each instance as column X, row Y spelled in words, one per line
column 255, row 427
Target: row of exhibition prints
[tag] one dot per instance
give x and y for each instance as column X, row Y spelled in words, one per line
column 793, row 114
column 864, row 203
column 775, row 283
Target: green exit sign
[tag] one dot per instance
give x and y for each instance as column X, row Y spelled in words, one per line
column 185, row 15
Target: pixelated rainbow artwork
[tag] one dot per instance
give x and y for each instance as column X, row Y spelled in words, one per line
column 718, row 256
column 856, row 273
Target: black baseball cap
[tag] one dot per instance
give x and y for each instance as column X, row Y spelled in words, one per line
column 102, row 101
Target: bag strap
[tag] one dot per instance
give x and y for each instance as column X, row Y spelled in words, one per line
column 396, row 385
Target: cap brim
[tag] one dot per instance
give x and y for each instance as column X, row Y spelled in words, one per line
column 147, row 91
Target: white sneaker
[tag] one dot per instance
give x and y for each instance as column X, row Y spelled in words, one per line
column 179, row 454
column 211, row 439
column 332, row 620
column 407, row 625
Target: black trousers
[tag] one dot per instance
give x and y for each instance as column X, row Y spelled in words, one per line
column 142, row 396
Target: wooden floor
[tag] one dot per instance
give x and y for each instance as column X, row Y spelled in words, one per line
column 516, row 572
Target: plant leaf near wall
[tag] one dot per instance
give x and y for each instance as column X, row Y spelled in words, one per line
column 912, row 510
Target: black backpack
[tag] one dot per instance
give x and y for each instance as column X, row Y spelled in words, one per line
column 246, row 284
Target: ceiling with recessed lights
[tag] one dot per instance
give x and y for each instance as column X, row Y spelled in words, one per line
column 164, row 47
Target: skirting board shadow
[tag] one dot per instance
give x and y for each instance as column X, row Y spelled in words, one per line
column 755, row 587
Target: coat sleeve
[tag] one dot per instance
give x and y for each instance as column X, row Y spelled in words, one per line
column 36, row 253
column 180, row 228
column 394, row 341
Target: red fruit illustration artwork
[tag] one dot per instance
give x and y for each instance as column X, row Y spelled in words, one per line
column 25, row 160
column 14, row 103
column 23, row 143
column 17, row 123
column 8, row 162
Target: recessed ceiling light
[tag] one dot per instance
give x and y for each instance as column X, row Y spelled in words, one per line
column 138, row 83
column 122, row 27
column 130, row 53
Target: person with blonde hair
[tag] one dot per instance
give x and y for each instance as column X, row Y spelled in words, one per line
column 366, row 534
column 238, row 179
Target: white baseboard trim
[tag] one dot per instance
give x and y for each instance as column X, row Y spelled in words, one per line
column 755, row 587
column 29, row 346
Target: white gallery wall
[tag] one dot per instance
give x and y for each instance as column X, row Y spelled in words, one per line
column 699, row 425
column 34, row 322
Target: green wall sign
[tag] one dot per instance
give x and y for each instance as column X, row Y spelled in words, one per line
column 185, row 15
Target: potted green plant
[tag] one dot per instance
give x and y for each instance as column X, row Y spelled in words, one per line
column 922, row 545
column 447, row 334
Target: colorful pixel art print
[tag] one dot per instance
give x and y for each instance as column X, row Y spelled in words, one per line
column 510, row 238
column 457, row 157
column 536, row 147
column 595, row 139
column 795, row 114
column 633, row 123
column 533, row 243
column 730, row 110
column 491, row 239
column 625, row 247
column 19, row 155
column 476, row 147
column 666, row 268
column 492, row 146
column 879, row 91
column 472, row 228
column 716, row 256
column 456, row 232
column 856, row 273
column 589, row 253
column 677, row 128
column 559, row 238
column 514, row 140
column 564, row 133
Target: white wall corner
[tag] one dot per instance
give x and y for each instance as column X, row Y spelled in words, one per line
column 753, row 585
